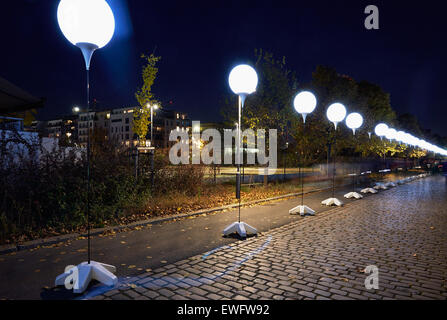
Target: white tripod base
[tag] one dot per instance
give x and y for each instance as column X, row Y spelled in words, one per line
column 380, row 186
column 353, row 195
column 390, row 185
column 241, row 228
column 332, row 202
column 369, row 190
column 302, row 210
column 83, row 273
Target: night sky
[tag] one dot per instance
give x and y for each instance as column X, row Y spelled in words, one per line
column 200, row 42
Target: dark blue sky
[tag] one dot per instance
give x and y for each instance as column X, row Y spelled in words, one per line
column 200, row 41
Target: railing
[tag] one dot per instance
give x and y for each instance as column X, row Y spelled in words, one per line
column 9, row 123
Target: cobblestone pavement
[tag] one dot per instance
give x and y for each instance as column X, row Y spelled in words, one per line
column 402, row 231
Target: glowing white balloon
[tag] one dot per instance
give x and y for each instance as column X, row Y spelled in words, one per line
column 243, row 79
column 400, row 136
column 381, row 129
column 305, row 103
column 354, row 121
column 336, row 113
column 86, row 21
column 391, row 134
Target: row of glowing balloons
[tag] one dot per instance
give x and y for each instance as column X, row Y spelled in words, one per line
column 382, row 130
column 92, row 21
column 243, row 81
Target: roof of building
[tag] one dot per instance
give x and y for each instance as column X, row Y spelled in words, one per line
column 15, row 99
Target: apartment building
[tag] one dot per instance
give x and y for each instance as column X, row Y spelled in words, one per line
column 164, row 122
column 121, row 127
column 86, row 121
column 116, row 124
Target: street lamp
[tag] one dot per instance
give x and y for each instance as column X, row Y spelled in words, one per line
column 354, row 121
column 335, row 113
column 243, row 81
column 76, row 109
column 89, row 25
column 153, row 107
column 304, row 103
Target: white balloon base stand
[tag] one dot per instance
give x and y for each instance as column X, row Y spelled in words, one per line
column 380, row 186
column 332, row 202
column 369, row 190
column 353, row 194
column 241, row 228
column 390, row 185
column 85, row 273
column 302, row 210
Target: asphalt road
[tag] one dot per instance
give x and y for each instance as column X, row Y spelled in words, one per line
column 30, row 274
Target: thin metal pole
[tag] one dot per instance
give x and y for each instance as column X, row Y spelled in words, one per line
column 152, row 117
column 88, row 165
column 301, row 171
column 239, row 156
column 333, row 166
column 355, row 172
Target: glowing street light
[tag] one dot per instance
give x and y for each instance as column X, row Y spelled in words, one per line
column 89, row 25
column 304, row 103
column 76, row 109
column 335, row 113
column 354, row 121
column 153, row 107
column 243, row 81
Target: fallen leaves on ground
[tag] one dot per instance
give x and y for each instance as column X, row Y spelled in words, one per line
column 169, row 204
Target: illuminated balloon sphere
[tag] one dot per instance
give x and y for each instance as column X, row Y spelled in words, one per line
column 243, row 79
column 305, row 103
column 401, row 136
column 86, row 21
column 354, row 121
column 381, row 129
column 391, row 134
column 336, row 113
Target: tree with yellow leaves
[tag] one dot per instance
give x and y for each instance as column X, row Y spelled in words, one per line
column 145, row 96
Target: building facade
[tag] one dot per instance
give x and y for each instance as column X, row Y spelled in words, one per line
column 115, row 124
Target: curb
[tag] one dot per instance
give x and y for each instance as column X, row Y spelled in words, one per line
column 4, row 249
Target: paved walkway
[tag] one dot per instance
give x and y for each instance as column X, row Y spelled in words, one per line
column 30, row 274
column 402, row 231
